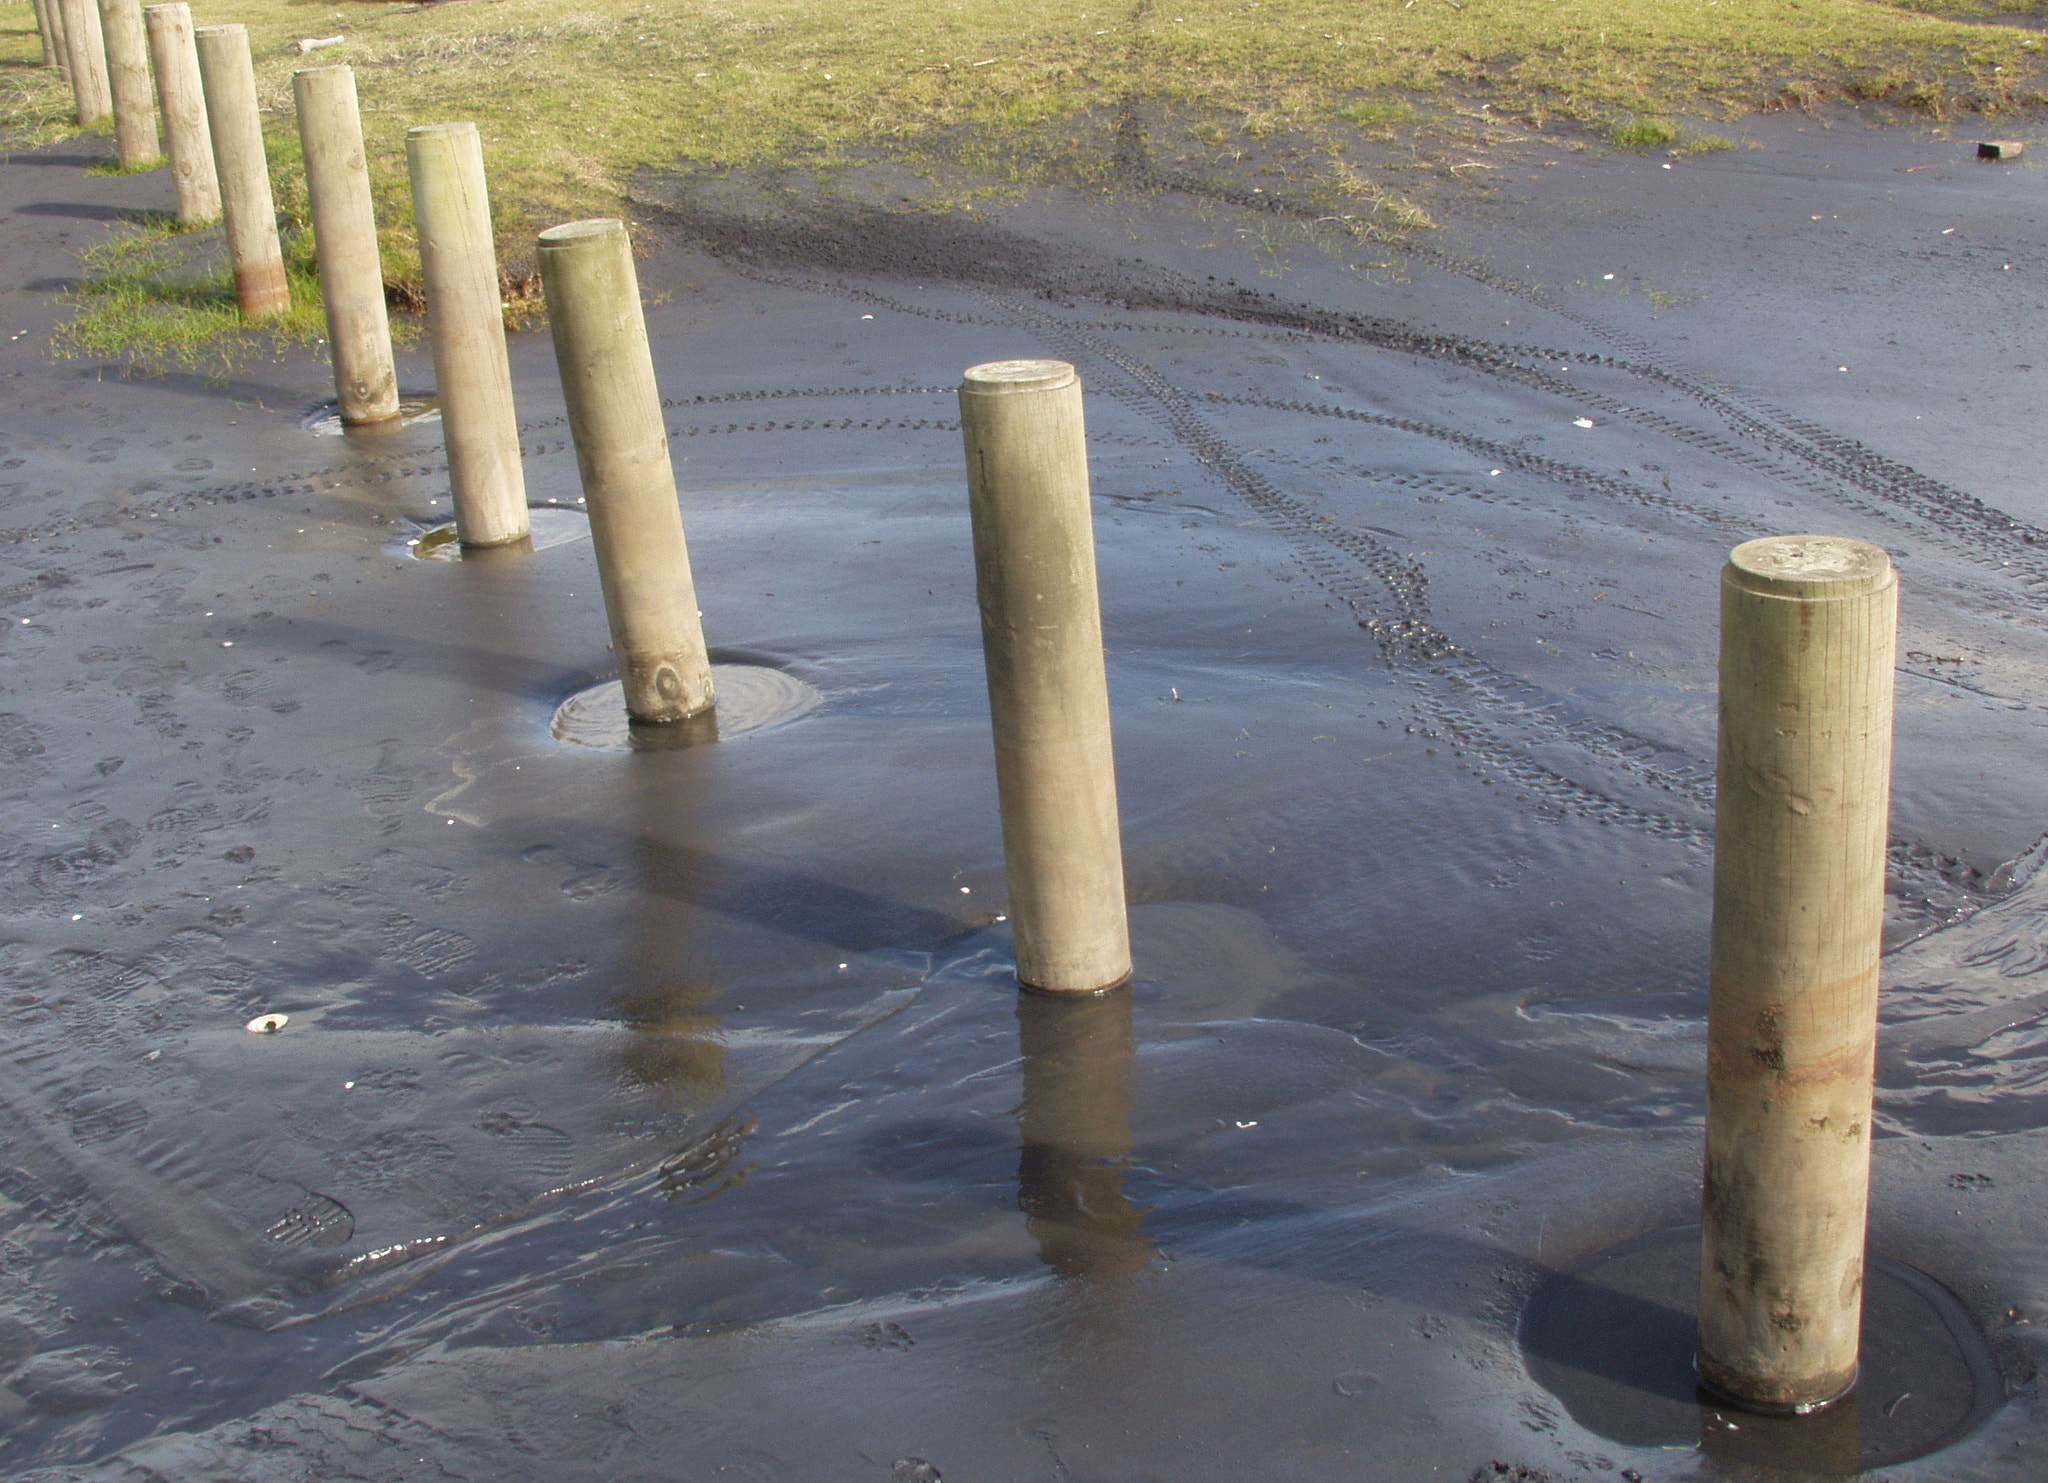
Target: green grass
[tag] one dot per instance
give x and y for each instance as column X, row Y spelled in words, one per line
column 1658, row 133
column 574, row 96
column 146, row 301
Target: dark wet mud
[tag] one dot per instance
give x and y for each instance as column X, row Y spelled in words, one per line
column 669, row 1111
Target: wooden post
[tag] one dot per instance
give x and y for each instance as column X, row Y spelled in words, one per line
column 135, row 143
column 629, row 486
column 86, row 50
column 1808, row 634
column 345, row 244
column 50, row 28
column 1041, row 629
column 466, row 328
column 186, row 139
column 228, row 78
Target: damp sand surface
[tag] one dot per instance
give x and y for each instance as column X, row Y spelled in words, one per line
column 669, row 1111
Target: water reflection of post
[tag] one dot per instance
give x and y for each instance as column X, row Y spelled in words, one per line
column 1826, row 1442
column 1077, row 1133
column 665, row 981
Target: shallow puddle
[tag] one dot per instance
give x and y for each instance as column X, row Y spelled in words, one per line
column 671, row 1109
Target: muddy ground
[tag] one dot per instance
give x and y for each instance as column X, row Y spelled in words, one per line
column 655, row 1112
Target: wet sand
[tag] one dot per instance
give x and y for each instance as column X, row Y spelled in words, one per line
column 669, row 1112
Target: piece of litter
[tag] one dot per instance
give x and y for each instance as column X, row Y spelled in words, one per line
column 1582, row 422
column 842, row 967
column 78, row 916
column 227, row 643
column 1002, row 919
column 1252, row 1124
column 348, row 1086
column 268, row 1024
column 867, row 316
column 1946, row 230
column 1607, row 278
column 966, row 890
column 1493, row 473
column 157, row 1055
column 314, row 43
column 1667, row 167
column 2000, row 149
column 1841, row 368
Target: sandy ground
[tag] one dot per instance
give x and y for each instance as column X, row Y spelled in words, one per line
column 654, row 1113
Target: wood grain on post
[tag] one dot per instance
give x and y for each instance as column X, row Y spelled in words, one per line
column 186, row 139
column 629, row 485
column 466, row 328
column 1808, row 633
column 1041, row 629
column 86, row 51
column 345, row 244
column 235, row 124
column 135, row 143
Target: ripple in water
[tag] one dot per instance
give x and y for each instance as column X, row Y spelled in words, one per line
column 750, row 697
column 551, row 525
column 324, row 421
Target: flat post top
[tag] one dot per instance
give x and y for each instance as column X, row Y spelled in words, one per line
column 1808, row 566
column 1003, row 377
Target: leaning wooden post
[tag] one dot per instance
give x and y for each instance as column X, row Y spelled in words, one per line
column 636, row 525
column 345, row 244
column 86, row 50
column 186, row 140
column 466, row 328
column 50, row 27
column 1808, row 632
column 135, row 143
column 235, row 125
column 1041, row 631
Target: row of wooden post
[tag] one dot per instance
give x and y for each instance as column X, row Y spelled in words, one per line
column 1807, row 645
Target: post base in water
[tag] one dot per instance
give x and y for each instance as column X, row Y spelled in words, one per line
column 1048, row 993
column 1614, row 1336
column 1708, row 1374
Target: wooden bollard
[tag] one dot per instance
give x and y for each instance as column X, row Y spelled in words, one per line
column 1048, row 695
column 1808, row 634
column 186, row 140
column 629, row 485
column 235, row 125
column 135, row 143
column 345, row 244
column 466, row 328
column 1076, row 1127
column 50, row 28
column 86, row 51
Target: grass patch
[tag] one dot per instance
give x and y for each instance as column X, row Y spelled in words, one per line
column 161, row 299
column 1657, row 133
column 574, row 96
column 1379, row 116
column 115, row 167
column 1642, row 133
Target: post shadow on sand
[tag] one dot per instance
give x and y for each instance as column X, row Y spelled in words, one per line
column 1076, row 1124
column 95, row 211
column 1613, row 1339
